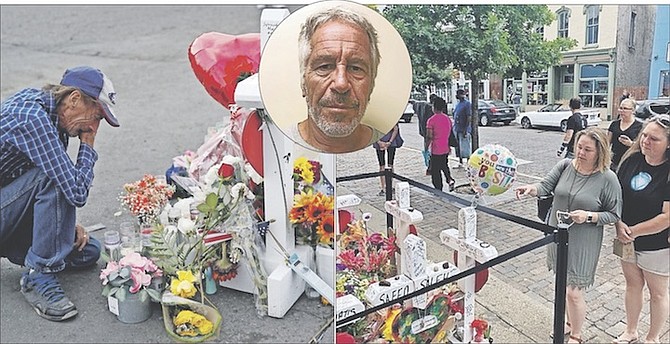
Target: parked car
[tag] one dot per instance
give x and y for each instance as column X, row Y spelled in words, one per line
column 556, row 115
column 646, row 108
column 491, row 111
column 409, row 112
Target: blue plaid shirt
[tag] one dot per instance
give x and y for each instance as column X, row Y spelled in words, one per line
column 29, row 137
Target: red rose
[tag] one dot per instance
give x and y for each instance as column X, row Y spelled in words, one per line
column 226, row 171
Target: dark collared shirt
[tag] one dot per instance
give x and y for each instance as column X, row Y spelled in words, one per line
column 29, row 137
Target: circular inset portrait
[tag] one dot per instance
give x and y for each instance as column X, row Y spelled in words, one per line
column 335, row 76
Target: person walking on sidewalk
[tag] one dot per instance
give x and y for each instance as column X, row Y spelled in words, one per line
column 644, row 175
column 590, row 193
column 438, row 129
column 385, row 148
column 575, row 123
column 40, row 187
column 622, row 132
column 462, row 116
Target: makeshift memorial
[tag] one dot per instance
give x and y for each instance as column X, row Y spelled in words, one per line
column 491, row 170
column 214, row 229
column 127, row 287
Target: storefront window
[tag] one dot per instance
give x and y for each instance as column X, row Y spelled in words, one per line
column 665, row 83
column 594, row 85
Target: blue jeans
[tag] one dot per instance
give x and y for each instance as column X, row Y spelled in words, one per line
column 37, row 226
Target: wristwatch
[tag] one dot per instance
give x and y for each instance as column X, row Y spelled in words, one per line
column 589, row 217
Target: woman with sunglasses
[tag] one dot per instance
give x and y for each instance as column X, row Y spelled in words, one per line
column 644, row 174
column 586, row 189
column 622, row 132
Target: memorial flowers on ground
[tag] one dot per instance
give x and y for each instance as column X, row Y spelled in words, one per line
column 131, row 274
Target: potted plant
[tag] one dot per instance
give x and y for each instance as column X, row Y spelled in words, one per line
column 127, row 287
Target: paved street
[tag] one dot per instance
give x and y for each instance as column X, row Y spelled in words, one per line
column 163, row 110
column 521, row 305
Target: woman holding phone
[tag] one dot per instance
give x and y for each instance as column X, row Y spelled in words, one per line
column 622, row 132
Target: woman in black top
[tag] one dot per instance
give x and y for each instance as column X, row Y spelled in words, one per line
column 644, row 174
column 622, row 132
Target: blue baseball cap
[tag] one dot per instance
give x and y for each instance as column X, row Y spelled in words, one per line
column 95, row 84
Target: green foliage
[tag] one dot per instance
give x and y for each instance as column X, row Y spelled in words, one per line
column 477, row 40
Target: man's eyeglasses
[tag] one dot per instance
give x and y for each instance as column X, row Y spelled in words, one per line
column 663, row 120
column 624, row 108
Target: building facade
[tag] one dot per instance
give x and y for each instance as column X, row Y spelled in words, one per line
column 612, row 55
column 659, row 73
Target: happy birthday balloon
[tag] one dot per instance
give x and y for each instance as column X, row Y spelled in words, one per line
column 220, row 61
column 491, row 169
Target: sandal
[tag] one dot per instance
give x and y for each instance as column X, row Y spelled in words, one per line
column 566, row 327
column 622, row 340
column 578, row 339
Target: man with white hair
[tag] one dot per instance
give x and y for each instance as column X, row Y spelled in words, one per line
column 339, row 56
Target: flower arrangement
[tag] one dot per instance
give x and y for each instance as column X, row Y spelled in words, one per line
column 133, row 273
column 223, row 205
column 363, row 259
column 189, row 323
column 145, row 198
column 313, row 205
column 366, row 253
column 482, row 330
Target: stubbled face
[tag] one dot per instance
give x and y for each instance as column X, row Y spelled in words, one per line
column 338, row 78
column 654, row 140
column 77, row 116
column 586, row 151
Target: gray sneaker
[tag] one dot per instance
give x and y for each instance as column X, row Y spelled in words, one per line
column 44, row 293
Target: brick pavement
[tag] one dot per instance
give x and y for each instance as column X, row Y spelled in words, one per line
column 526, row 273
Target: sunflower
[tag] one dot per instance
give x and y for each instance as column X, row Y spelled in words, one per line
column 325, row 229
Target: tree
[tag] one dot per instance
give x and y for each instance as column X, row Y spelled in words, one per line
column 476, row 39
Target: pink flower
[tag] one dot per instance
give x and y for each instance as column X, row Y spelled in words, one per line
column 134, row 260
column 104, row 273
column 140, row 278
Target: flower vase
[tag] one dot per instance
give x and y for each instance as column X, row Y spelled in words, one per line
column 325, row 264
column 310, row 292
column 133, row 309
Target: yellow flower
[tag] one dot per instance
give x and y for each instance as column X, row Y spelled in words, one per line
column 303, row 168
column 187, row 322
column 183, row 317
column 183, row 285
column 206, row 327
column 387, row 327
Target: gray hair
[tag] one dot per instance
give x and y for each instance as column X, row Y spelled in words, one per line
column 338, row 14
column 60, row 93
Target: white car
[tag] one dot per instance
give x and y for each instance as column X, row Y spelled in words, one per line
column 555, row 115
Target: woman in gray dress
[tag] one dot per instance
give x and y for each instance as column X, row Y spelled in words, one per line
column 589, row 191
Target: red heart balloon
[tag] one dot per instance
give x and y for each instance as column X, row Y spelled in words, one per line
column 219, row 60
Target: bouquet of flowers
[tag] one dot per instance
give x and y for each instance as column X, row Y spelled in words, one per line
column 312, row 213
column 132, row 273
column 145, row 198
column 221, row 208
column 363, row 259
